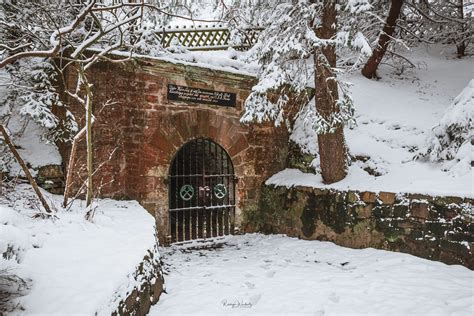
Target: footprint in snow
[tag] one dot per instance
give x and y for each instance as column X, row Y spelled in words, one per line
column 270, row 274
column 265, row 266
column 254, row 299
column 250, row 285
column 334, row 298
column 248, row 275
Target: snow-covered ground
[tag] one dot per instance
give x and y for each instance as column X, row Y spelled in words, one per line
column 277, row 275
column 395, row 116
column 75, row 266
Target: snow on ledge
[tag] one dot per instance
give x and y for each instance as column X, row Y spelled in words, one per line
column 219, row 60
column 75, row 266
column 358, row 179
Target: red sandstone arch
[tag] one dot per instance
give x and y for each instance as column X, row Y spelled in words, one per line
column 183, row 126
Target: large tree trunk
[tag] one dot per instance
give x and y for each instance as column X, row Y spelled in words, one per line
column 370, row 68
column 461, row 45
column 332, row 147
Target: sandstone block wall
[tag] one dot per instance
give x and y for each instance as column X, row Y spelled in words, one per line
column 437, row 228
column 149, row 286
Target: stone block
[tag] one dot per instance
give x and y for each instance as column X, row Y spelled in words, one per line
column 363, row 211
column 413, row 234
column 417, row 196
column 387, row 197
column 319, row 191
column 383, row 211
column 446, row 200
column 400, row 210
column 339, row 196
column 131, row 301
column 436, row 228
column 419, row 210
column 456, row 247
column 352, row 197
column 450, row 213
column 460, row 237
column 368, row 197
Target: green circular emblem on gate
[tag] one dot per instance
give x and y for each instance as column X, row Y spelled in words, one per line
column 186, row 192
column 220, row 190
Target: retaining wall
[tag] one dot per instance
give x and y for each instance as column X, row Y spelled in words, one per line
column 437, row 228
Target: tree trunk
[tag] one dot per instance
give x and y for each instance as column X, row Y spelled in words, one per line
column 370, row 68
column 90, row 190
column 88, row 108
column 332, row 147
column 70, row 166
column 25, row 169
column 461, row 45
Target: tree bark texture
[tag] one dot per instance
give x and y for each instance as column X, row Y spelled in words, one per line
column 461, row 45
column 332, row 147
column 370, row 67
column 88, row 108
column 90, row 171
column 25, row 169
column 70, row 166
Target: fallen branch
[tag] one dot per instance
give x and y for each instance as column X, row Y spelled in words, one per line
column 25, row 169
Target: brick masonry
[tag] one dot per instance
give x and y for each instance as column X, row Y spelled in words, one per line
column 138, row 131
column 436, row 228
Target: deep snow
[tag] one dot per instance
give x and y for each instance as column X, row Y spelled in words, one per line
column 395, row 116
column 75, row 266
column 277, row 275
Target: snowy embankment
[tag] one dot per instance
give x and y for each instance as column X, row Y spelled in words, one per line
column 29, row 138
column 395, row 117
column 278, row 275
column 75, row 266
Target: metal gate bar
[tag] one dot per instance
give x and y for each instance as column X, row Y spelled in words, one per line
column 201, row 192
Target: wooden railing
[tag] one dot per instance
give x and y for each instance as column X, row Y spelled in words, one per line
column 207, row 37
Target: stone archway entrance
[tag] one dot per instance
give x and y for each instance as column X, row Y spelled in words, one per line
column 147, row 127
column 201, row 192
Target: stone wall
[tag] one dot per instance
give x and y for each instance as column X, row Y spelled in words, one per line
column 150, row 284
column 437, row 228
column 51, row 178
column 138, row 131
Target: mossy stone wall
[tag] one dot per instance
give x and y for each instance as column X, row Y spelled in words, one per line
column 436, row 228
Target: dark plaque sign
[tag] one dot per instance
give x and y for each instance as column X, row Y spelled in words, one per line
column 196, row 95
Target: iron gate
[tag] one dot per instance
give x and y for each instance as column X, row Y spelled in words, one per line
column 201, row 192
